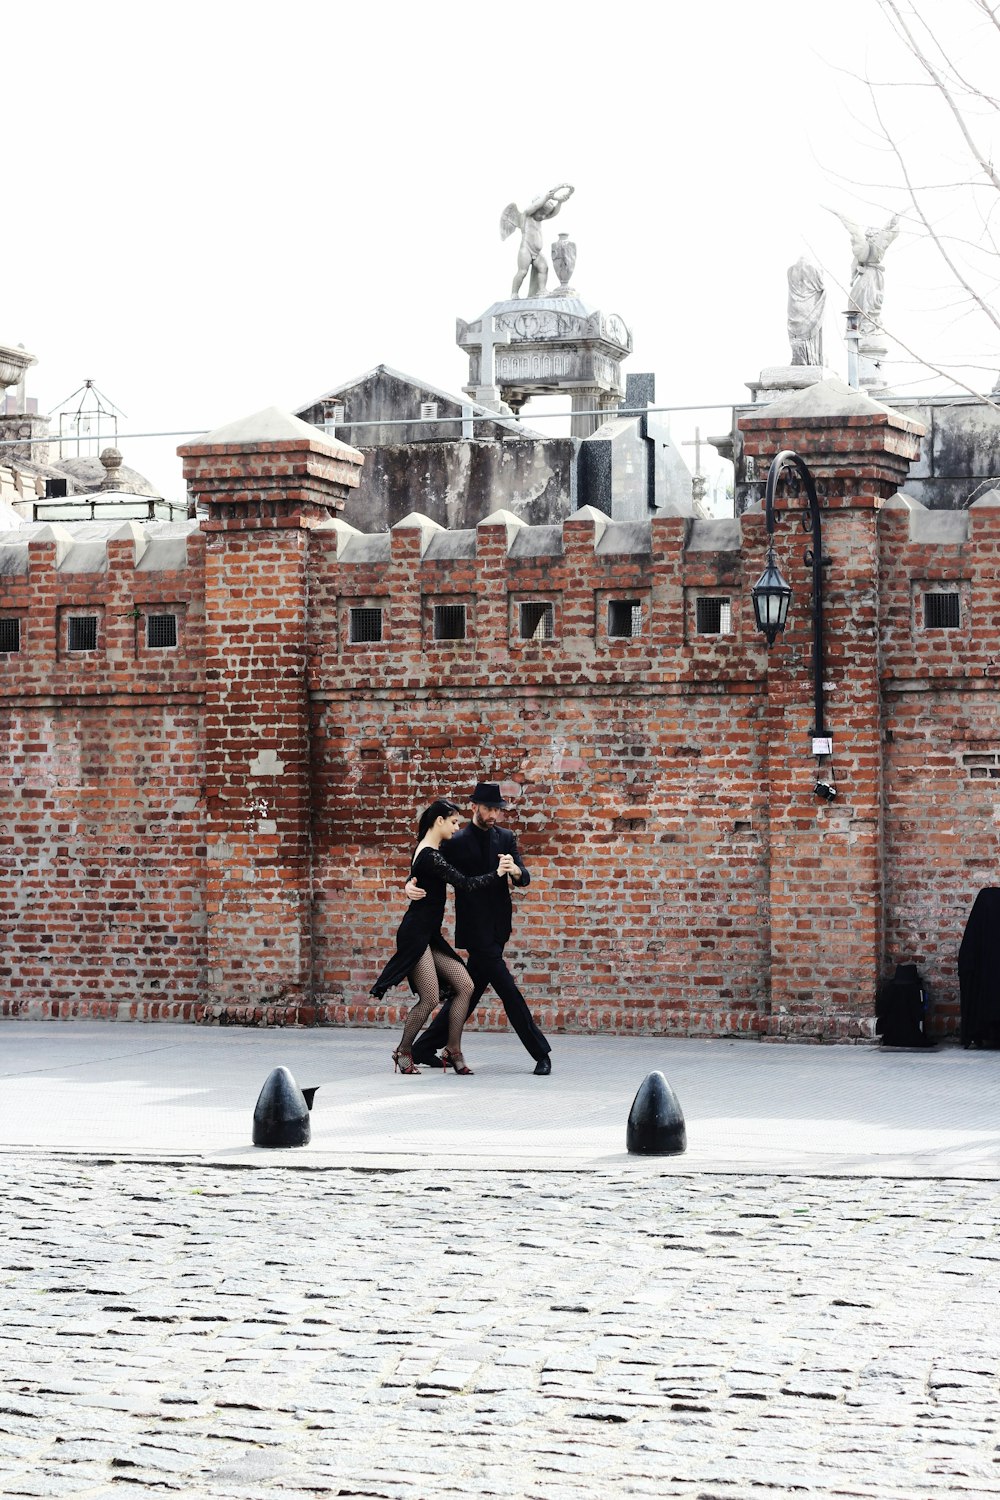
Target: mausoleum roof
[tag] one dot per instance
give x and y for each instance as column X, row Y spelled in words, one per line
column 424, row 387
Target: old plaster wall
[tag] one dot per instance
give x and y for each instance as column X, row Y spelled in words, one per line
column 457, row 483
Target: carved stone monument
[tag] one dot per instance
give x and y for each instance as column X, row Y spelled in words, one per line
column 556, row 344
column 17, row 422
column 546, row 343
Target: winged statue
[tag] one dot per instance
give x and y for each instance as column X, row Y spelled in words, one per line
column 529, row 221
column 867, row 270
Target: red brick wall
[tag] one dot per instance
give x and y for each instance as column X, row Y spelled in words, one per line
column 635, row 762
column 223, row 831
column 102, row 902
column 263, row 497
column 941, row 743
column 826, row 893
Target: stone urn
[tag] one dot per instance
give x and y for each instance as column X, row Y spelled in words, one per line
column 563, row 258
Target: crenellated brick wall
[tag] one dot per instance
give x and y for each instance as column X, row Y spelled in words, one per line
column 102, row 901
column 635, row 768
column 221, row 831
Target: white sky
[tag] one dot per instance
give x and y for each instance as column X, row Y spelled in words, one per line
column 217, row 207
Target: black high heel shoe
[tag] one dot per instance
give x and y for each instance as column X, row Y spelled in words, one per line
column 457, row 1061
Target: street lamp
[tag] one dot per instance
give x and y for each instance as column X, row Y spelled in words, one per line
column 772, row 594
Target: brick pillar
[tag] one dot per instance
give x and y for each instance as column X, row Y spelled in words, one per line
column 265, row 481
column 826, row 857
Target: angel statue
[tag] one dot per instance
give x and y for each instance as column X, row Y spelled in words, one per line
column 529, row 255
column 867, row 273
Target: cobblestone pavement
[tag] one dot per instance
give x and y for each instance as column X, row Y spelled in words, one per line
column 207, row 1331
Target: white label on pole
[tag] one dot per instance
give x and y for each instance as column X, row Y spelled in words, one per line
column 822, row 745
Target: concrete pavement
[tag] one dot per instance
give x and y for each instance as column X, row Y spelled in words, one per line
column 187, row 1091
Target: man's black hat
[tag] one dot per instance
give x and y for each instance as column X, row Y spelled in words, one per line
column 487, row 794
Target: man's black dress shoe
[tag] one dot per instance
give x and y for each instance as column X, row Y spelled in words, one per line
column 543, row 1066
column 429, row 1062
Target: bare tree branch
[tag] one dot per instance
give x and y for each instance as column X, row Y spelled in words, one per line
column 890, row 8
column 935, row 237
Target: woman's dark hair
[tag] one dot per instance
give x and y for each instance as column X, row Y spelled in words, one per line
column 441, row 808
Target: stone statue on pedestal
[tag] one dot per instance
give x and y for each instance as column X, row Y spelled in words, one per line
column 867, row 271
column 529, row 255
column 806, row 305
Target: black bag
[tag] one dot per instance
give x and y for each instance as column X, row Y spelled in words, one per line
column 901, row 1010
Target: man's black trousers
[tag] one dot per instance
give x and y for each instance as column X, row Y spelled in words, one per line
column 487, row 967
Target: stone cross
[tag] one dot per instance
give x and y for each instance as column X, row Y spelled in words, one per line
column 696, row 444
column 489, row 337
column 698, row 482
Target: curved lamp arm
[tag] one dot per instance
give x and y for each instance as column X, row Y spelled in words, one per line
column 788, row 460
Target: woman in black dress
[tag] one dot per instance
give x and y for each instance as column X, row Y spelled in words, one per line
column 422, row 955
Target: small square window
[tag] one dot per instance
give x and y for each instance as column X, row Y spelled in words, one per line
column 713, row 616
column 428, row 411
column 538, row 621
column 82, row 635
column 449, row 622
column 161, row 631
column 941, row 611
column 365, row 626
column 10, row 635
column 624, row 618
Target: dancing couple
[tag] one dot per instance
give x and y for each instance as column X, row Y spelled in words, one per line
column 481, row 863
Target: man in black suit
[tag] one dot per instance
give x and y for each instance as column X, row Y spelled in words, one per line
column 483, row 925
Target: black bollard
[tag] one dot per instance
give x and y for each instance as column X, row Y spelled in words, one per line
column 281, row 1116
column 655, row 1121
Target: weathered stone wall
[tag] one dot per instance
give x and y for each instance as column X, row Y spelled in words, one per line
column 958, row 458
column 432, row 468
column 457, row 483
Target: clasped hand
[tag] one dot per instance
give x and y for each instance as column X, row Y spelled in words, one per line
column 506, row 865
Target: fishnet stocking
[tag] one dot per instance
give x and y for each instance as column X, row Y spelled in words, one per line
column 430, row 968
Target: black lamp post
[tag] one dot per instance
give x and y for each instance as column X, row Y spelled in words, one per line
column 772, row 593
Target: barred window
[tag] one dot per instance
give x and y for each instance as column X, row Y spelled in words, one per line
column 161, row 631
column 538, row 621
column 365, row 626
column 941, row 611
column 713, row 616
column 82, row 633
column 449, row 622
column 10, row 635
column 624, row 617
